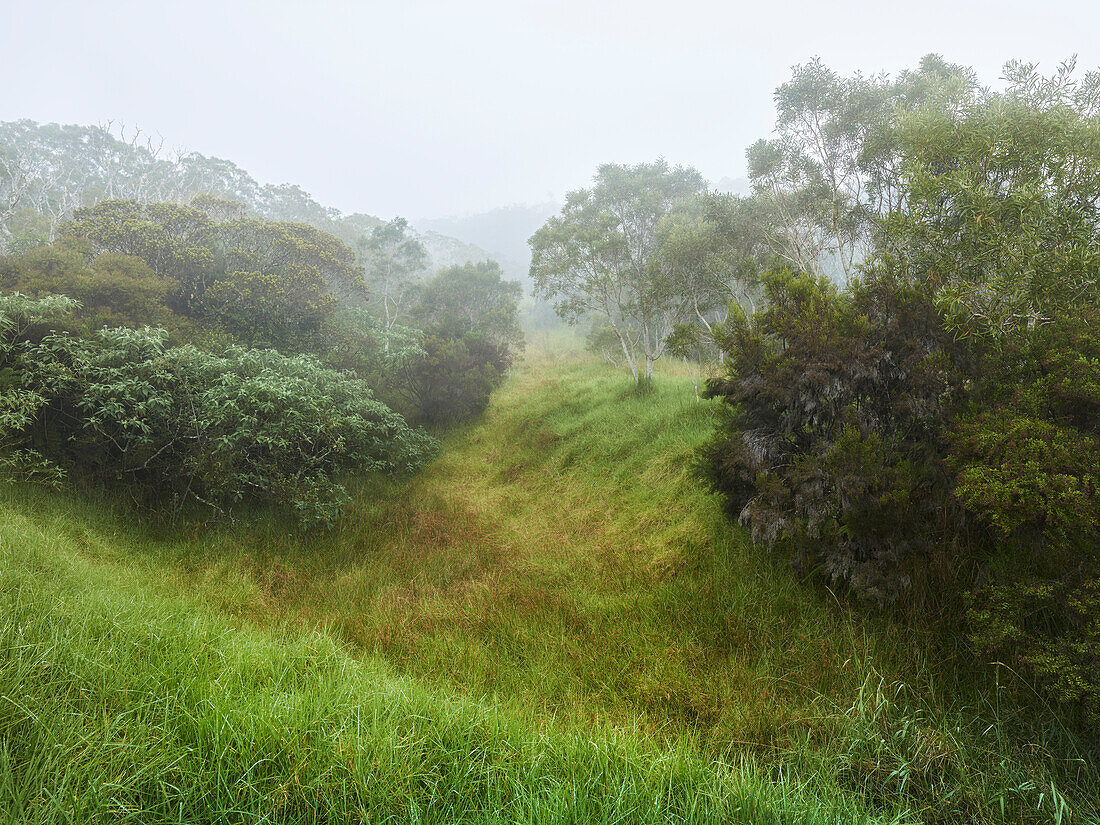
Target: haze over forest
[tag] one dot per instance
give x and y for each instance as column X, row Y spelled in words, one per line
column 550, row 412
column 432, row 109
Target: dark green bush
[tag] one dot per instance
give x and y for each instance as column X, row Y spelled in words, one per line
column 1026, row 461
column 837, row 403
column 175, row 424
column 454, row 379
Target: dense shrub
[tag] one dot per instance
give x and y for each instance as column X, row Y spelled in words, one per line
column 113, row 289
column 24, row 320
column 266, row 310
column 470, row 334
column 1026, row 460
column 939, row 421
column 836, row 407
column 454, row 378
column 177, row 425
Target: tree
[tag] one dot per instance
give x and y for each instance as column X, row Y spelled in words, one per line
column 473, row 300
column 471, row 333
column 289, row 249
column 392, row 257
column 834, row 171
column 937, row 419
column 1004, row 203
column 267, row 283
column 597, row 256
column 174, row 241
column 711, row 250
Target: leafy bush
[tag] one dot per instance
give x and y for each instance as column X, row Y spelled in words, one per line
column 22, row 320
column 116, row 290
column 267, row 310
column 1027, row 463
column 836, row 407
column 176, row 424
column 454, row 379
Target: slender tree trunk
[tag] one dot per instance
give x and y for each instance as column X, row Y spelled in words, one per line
column 691, row 375
column 627, row 350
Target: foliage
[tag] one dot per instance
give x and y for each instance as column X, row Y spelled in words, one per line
column 1025, row 462
column 265, row 282
column 473, row 300
column 825, row 185
column 176, row 424
column 711, row 251
column 174, row 241
column 1003, row 198
column 289, row 250
column 354, row 339
column 259, row 309
column 112, row 289
column 836, row 405
column 392, row 256
column 936, row 422
column 470, row 336
column 453, row 380
column 24, row 319
column 596, row 256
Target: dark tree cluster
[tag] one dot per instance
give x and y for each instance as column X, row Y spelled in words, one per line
column 928, row 436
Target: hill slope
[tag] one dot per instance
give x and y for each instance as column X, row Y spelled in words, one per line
column 551, row 623
column 47, row 170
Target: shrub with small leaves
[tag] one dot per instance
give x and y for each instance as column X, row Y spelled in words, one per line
column 836, row 405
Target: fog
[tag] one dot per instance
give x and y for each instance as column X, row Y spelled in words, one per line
column 430, row 109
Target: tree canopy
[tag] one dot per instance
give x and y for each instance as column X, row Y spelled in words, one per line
column 597, row 255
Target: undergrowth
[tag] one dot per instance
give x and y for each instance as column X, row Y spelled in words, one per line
column 553, row 622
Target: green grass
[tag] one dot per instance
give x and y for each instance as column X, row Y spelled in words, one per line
column 553, row 622
column 117, row 705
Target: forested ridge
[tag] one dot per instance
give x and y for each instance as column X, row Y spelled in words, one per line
column 47, row 170
column 794, row 519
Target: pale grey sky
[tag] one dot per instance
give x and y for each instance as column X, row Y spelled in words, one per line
column 424, row 109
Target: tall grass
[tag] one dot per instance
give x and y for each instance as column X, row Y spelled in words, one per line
column 560, row 595
column 122, row 707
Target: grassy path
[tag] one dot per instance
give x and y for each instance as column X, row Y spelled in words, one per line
column 559, row 556
column 552, row 623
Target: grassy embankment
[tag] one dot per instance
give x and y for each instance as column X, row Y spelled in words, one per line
column 552, row 623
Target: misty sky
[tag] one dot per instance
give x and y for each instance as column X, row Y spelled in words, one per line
column 427, row 109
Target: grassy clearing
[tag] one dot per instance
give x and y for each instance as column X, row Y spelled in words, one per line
column 557, row 572
column 117, row 705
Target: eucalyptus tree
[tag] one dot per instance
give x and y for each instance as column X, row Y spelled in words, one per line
column 835, row 169
column 392, row 257
column 712, row 249
column 1005, row 203
column 472, row 300
column 598, row 256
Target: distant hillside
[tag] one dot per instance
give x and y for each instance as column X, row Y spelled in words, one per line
column 48, row 170
column 734, row 186
column 504, row 232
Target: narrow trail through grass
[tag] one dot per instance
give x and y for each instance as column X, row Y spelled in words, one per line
column 556, row 588
column 560, row 556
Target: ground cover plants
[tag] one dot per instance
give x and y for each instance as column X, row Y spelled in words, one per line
column 490, row 646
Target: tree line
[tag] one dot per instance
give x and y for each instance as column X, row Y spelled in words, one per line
column 201, row 357
column 901, row 322
column 47, row 171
